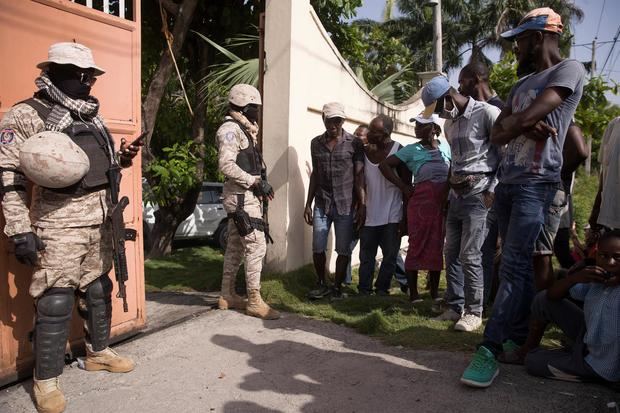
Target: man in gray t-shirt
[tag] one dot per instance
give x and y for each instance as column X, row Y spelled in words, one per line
column 533, row 125
column 529, row 161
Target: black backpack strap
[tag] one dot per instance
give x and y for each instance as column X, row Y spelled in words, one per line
column 42, row 110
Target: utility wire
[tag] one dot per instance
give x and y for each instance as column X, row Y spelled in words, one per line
column 589, row 45
column 598, row 27
column 612, row 48
column 611, row 69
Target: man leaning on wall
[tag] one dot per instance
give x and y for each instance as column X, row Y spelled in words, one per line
column 336, row 187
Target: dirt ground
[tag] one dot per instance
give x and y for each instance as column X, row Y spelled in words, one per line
column 224, row 361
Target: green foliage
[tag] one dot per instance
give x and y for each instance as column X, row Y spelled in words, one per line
column 173, row 174
column 504, row 75
column 584, row 193
column 224, row 76
column 595, row 112
column 470, row 25
column 381, row 61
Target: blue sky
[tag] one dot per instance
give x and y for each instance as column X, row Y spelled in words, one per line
column 584, row 34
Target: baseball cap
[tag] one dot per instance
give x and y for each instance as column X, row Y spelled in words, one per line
column 433, row 118
column 68, row 53
column 543, row 18
column 333, row 110
column 436, row 88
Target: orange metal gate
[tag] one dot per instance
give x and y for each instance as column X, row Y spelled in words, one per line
column 27, row 28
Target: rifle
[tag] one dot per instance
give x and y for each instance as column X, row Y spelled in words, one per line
column 263, row 176
column 119, row 234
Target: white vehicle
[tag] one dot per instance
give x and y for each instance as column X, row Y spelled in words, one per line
column 208, row 221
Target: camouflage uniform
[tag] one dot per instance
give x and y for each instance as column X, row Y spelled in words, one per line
column 231, row 140
column 72, row 258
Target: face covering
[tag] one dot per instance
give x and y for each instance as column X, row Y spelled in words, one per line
column 69, row 83
column 449, row 113
column 251, row 113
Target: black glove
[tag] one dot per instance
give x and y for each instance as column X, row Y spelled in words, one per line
column 264, row 189
column 26, row 247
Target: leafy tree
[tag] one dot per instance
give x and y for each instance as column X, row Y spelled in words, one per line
column 504, row 75
column 470, row 25
column 595, row 112
column 384, row 62
column 165, row 113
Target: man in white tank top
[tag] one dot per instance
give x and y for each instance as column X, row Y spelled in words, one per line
column 384, row 210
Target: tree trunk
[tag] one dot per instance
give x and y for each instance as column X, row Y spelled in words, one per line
column 168, row 218
column 157, row 87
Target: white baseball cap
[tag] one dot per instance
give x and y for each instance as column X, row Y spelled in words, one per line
column 433, row 118
column 333, row 110
column 68, row 53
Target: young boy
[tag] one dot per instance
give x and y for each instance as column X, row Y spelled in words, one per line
column 595, row 330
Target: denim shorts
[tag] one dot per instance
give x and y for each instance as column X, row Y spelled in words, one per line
column 343, row 228
column 544, row 243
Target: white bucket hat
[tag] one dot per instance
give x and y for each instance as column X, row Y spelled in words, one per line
column 68, row 53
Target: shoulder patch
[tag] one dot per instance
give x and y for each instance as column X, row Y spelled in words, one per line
column 230, row 137
column 7, row 136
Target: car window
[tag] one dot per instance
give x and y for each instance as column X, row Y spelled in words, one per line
column 210, row 195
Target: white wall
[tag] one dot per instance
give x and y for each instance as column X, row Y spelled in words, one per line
column 303, row 71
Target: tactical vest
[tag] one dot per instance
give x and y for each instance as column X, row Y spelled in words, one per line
column 248, row 159
column 90, row 139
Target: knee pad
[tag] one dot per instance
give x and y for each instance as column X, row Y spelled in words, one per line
column 98, row 312
column 51, row 331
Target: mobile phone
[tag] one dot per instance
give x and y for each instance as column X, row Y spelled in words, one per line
column 607, row 275
column 138, row 140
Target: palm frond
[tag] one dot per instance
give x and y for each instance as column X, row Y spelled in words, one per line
column 387, row 89
column 230, row 55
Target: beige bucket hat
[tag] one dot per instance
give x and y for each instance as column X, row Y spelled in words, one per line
column 67, row 53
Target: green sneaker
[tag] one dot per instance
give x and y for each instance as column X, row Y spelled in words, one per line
column 482, row 369
column 510, row 346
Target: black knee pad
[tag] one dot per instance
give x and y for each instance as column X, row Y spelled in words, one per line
column 51, row 331
column 98, row 311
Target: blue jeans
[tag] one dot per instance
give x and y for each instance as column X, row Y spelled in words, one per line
column 343, row 228
column 399, row 273
column 465, row 234
column 521, row 211
column 386, row 237
column 349, row 277
column 489, row 248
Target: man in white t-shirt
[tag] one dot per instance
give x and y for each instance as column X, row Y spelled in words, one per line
column 384, row 210
column 606, row 209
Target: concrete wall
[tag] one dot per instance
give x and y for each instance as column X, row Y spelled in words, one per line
column 303, row 71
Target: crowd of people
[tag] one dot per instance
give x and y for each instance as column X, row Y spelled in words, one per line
column 487, row 190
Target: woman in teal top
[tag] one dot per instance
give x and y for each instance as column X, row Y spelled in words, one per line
column 429, row 162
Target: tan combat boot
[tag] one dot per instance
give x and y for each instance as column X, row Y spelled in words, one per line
column 47, row 396
column 107, row 359
column 258, row 308
column 229, row 298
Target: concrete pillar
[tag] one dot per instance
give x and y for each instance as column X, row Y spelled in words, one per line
column 281, row 108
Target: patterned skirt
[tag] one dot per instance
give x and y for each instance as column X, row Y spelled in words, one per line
column 426, row 227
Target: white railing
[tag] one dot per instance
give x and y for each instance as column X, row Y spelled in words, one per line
column 105, row 7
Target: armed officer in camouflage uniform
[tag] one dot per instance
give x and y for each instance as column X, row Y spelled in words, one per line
column 244, row 191
column 63, row 235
